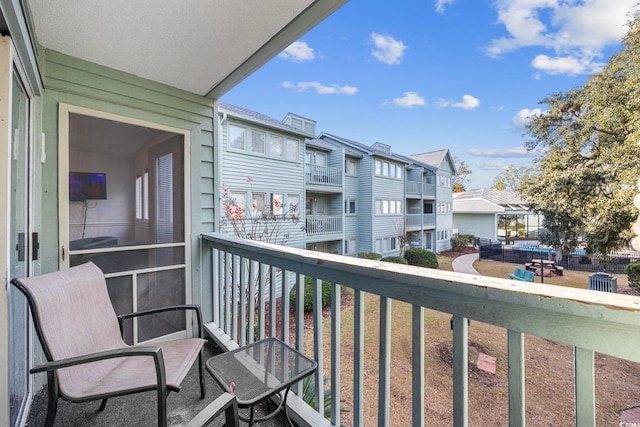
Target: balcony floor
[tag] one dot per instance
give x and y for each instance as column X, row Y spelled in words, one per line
column 140, row 409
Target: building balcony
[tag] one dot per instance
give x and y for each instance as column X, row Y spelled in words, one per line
column 413, row 188
column 420, row 221
column 325, row 227
column 239, row 278
column 323, row 176
column 429, row 190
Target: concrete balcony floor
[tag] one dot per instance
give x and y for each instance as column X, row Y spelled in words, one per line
column 140, row 410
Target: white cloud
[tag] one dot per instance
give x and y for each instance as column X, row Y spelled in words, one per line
column 566, row 65
column 577, row 31
column 468, row 103
column 320, row 88
column 503, row 153
column 387, row 49
column 523, row 117
column 496, row 165
column 410, row 99
column 440, row 4
column 297, row 52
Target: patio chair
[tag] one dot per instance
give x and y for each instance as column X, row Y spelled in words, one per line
column 87, row 357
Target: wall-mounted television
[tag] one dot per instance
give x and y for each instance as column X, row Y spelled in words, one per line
column 87, row 186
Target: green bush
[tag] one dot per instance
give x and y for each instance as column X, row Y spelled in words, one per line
column 396, row 259
column 458, row 244
column 308, row 294
column 421, row 258
column 369, row 255
column 467, row 237
column 633, row 274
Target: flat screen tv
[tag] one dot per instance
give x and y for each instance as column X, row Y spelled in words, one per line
column 87, row 186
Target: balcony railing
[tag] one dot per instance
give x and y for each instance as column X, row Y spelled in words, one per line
column 429, row 190
column 413, row 187
column 323, row 175
column 241, row 272
column 417, row 220
column 321, row 225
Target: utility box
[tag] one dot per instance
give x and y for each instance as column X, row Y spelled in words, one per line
column 603, row 282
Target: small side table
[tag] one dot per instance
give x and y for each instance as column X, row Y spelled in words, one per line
column 258, row 371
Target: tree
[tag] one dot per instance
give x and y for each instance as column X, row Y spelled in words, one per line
column 461, row 178
column 584, row 183
column 511, row 177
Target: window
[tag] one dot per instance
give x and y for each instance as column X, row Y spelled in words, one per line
column 145, row 195
column 257, row 203
column 444, row 181
column 277, row 204
column 350, row 247
column 293, row 203
column 237, row 137
column 349, row 206
column 239, row 200
column 383, row 168
column 292, row 149
column 350, row 166
column 388, row 207
column 257, row 142
column 386, row 244
column 138, row 197
column 142, row 196
column 276, row 146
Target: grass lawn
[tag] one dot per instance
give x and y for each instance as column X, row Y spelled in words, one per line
column 549, row 368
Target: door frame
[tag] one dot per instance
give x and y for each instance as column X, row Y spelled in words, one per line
column 64, row 111
column 10, row 61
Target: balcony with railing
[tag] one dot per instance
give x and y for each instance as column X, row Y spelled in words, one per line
column 417, row 220
column 328, row 226
column 413, row 188
column 325, row 176
column 429, row 190
column 243, row 285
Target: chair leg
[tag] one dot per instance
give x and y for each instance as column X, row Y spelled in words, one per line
column 52, row 405
column 201, row 369
column 102, row 405
column 162, row 407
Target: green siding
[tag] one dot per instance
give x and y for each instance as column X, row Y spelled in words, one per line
column 80, row 83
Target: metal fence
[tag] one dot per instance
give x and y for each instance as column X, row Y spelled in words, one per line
column 578, row 262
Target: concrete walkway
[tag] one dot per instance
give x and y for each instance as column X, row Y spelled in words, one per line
column 464, row 264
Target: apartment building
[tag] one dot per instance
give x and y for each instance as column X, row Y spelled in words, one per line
column 357, row 198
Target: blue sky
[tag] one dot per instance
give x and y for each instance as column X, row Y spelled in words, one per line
column 428, row 75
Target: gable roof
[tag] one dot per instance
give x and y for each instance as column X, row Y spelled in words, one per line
column 255, row 117
column 362, row 148
column 484, row 200
column 200, row 46
column 435, row 158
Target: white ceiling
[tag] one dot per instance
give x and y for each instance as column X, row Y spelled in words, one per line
column 202, row 46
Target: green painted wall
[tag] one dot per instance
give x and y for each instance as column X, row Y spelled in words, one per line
column 80, row 83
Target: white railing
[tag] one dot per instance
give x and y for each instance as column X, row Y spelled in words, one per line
column 413, row 187
column 589, row 321
column 323, row 175
column 320, row 225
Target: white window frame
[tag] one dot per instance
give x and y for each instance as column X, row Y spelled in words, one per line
column 348, row 203
column 350, row 167
column 232, row 139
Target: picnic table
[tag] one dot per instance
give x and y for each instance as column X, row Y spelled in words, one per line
column 548, row 266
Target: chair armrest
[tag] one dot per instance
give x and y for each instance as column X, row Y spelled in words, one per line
column 183, row 307
column 227, row 402
column 155, row 352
